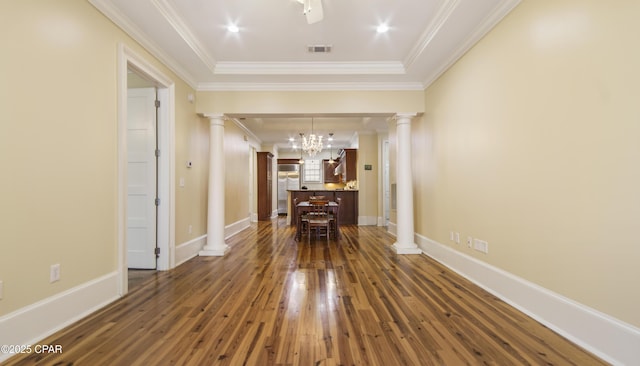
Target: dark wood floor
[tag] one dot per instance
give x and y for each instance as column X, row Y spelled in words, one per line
column 139, row 276
column 274, row 301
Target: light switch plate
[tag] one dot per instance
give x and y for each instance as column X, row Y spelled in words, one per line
column 54, row 273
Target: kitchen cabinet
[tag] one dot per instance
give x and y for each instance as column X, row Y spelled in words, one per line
column 265, row 185
column 329, row 172
column 347, row 167
column 348, row 207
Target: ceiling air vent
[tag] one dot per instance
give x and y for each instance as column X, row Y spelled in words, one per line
column 319, row 48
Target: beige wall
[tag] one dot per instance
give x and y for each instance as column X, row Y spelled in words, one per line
column 236, row 174
column 58, row 147
column 531, row 143
column 302, row 102
column 368, row 179
column 192, row 144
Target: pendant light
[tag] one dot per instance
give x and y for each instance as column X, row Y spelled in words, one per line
column 301, row 161
column 331, row 161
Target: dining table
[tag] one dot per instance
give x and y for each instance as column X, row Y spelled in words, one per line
column 304, row 207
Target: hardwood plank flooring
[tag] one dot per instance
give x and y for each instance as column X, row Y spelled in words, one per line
column 138, row 276
column 274, row 301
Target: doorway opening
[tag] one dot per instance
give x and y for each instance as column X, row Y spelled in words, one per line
column 155, row 223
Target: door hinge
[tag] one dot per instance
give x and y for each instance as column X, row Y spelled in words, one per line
column 157, row 153
column 157, row 201
column 157, row 252
column 157, row 104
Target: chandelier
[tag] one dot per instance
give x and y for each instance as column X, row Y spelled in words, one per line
column 311, row 144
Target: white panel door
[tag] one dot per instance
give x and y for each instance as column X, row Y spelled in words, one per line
column 141, row 178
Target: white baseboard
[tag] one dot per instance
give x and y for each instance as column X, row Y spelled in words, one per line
column 367, row 221
column 393, row 229
column 190, row 249
column 610, row 339
column 37, row 321
column 236, row 227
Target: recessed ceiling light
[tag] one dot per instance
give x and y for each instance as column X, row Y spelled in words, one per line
column 382, row 28
column 233, row 28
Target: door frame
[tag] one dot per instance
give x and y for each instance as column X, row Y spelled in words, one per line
column 128, row 59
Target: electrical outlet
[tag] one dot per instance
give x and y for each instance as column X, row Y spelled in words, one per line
column 54, row 273
column 190, row 229
column 481, row 246
column 457, row 238
column 469, row 241
column 451, row 235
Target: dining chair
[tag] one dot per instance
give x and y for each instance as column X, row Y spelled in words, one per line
column 318, row 218
column 303, row 219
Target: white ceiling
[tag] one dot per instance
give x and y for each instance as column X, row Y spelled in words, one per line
column 269, row 52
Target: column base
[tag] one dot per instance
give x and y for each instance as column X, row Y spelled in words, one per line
column 406, row 249
column 218, row 251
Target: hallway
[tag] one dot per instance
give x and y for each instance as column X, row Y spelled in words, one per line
column 274, row 301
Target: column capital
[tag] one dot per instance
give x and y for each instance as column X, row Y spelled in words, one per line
column 404, row 115
column 215, row 118
column 213, row 115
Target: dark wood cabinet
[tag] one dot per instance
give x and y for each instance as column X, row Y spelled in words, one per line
column 348, row 165
column 265, row 185
column 348, row 205
column 330, row 172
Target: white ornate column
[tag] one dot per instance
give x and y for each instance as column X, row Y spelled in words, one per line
column 215, row 209
column 404, row 187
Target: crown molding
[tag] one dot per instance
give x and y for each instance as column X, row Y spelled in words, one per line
column 213, row 86
column 506, row 6
column 310, row 68
column 124, row 23
column 181, row 27
column 246, row 130
column 444, row 13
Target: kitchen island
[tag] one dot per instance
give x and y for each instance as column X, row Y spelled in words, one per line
column 348, row 206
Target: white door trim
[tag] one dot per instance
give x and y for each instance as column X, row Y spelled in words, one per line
column 166, row 169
